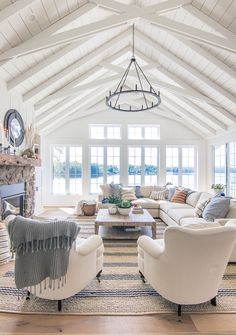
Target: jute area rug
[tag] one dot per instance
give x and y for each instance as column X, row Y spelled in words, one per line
column 121, row 292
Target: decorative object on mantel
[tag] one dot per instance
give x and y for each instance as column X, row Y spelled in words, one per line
column 14, row 128
column 125, row 99
column 29, row 142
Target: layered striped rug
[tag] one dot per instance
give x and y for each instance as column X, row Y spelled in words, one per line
column 121, row 292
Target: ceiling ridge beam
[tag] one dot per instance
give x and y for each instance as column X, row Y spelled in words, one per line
column 200, row 76
column 38, row 42
column 69, row 69
column 12, row 9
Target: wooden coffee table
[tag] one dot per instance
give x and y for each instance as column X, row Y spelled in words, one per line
column 132, row 220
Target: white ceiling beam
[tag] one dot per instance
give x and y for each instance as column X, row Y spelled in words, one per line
column 13, row 9
column 207, row 55
column 39, row 41
column 43, row 64
column 84, row 103
column 67, row 89
column 71, row 68
column 209, row 21
column 191, row 33
column 187, row 116
column 222, row 112
column 203, row 78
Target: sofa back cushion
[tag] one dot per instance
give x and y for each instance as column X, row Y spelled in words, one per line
column 204, row 196
column 146, row 191
column 106, row 190
column 217, row 208
column 193, row 198
column 232, row 209
column 179, row 196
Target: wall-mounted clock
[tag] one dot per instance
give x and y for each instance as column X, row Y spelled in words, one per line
column 14, row 124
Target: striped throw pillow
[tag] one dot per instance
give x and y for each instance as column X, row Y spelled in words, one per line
column 179, row 196
column 128, row 193
column 158, row 195
column 200, row 206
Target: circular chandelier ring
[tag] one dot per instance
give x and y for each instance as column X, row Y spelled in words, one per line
column 123, row 92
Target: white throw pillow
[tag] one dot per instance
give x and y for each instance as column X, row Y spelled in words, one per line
column 158, row 195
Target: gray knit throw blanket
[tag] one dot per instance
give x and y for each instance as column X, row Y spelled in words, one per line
column 42, row 249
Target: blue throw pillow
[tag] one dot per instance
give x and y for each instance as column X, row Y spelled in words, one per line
column 217, row 208
column 115, row 190
column 171, row 192
column 138, row 193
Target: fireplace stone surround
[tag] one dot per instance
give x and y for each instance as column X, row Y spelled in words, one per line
column 16, row 169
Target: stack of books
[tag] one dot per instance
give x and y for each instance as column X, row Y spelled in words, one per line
column 137, row 210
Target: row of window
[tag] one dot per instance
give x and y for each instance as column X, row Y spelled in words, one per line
column 142, row 167
column 225, row 167
column 135, row 132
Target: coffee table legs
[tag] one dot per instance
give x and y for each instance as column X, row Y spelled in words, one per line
column 96, row 228
column 154, row 228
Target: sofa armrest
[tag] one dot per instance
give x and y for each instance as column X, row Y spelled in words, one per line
column 89, row 245
column 149, row 246
column 231, row 223
column 222, row 222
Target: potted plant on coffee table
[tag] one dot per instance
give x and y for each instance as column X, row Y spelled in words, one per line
column 124, row 207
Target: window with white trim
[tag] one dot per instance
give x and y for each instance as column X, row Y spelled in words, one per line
column 66, row 169
column 101, row 132
column 232, row 169
column 143, row 132
column 104, row 166
column 143, row 166
column 181, row 166
column 220, row 164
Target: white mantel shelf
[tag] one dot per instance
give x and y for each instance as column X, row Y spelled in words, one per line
column 14, row 160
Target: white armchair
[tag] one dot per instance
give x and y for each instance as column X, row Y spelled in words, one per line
column 187, row 266
column 85, row 263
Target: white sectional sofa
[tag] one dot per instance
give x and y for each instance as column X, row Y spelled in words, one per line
column 176, row 214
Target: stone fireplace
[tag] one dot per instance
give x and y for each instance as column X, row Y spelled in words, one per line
column 17, row 170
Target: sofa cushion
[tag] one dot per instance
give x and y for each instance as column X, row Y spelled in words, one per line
column 146, row 203
column 167, row 205
column 232, row 209
column 193, row 198
column 178, row 214
column 218, row 207
column 200, row 207
column 138, row 193
column 115, row 190
column 179, row 196
column 146, row 191
column 171, row 192
column 187, row 221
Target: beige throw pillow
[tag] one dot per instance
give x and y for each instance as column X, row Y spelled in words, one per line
column 158, row 195
column 128, row 193
column 200, row 207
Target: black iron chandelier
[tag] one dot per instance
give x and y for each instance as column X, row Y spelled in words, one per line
column 142, row 97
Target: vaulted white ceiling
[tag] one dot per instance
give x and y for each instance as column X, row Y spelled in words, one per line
column 64, row 56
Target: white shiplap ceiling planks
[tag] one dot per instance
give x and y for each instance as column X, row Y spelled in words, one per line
column 50, row 51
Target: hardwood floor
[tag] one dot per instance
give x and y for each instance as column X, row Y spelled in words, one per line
column 161, row 324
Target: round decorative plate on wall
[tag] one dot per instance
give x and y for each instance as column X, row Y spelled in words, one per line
column 14, row 124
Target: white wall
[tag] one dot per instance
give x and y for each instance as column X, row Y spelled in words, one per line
column 77, row 132
column 14, row 100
